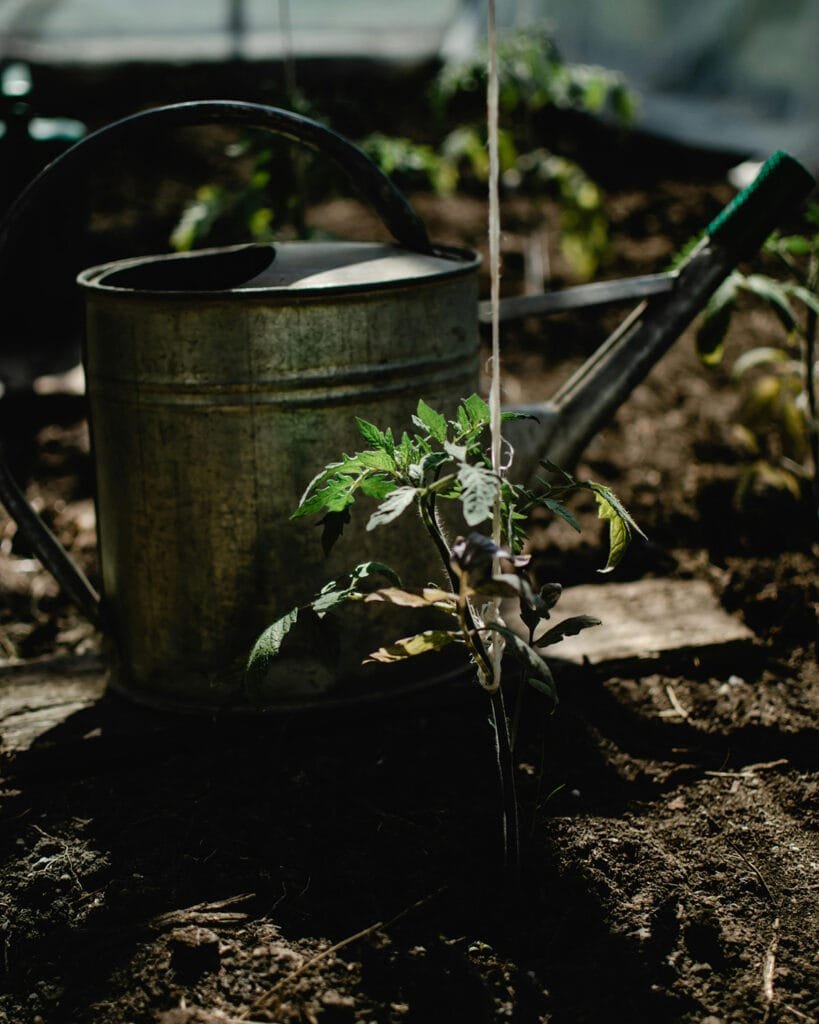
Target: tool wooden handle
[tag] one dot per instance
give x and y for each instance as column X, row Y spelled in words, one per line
column 751, row 215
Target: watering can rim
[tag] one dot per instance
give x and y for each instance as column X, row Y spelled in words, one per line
column 361, row 266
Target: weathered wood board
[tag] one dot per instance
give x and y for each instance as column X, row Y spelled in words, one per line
column 644, row 621
column 35, row 699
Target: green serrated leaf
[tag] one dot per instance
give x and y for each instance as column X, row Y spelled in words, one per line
column 559, row 509
column 455, row 451
column 365, row 569
column 621, row 524
column 568, row 627
column 392, row 507
column 479, row 490
column 508, row 417
column 334, row 496
column 380, row 459
column 411, row 646
column 332, row 596
column 432, row 421
column 372, row 435
column 376, row 486
column 476, row 409
column 270, row 642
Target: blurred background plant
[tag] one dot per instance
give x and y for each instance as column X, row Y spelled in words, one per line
column 777, row 428
column 535, row 82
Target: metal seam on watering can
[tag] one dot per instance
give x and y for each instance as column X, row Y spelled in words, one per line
column 334, row 386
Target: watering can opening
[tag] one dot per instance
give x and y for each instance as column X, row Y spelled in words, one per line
column 211, row 270
column 292, row 267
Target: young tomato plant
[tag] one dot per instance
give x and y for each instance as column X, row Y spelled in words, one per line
column 779, row 423
column 446, row 461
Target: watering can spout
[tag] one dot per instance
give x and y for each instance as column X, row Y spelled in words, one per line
column 569, row 421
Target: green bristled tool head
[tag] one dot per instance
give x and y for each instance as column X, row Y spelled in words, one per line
column 749, row 218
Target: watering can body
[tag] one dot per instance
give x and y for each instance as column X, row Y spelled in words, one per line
column 211, row 410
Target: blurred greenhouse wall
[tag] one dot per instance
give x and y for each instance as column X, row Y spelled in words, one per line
column 734, row 75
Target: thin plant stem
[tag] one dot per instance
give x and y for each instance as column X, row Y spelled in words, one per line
column 506, row 772
column 810, row 385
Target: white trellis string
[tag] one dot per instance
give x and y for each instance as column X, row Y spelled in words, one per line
column 494, row 272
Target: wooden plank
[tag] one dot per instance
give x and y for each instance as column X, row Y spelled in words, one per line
column 36, row 698
column 644, row 621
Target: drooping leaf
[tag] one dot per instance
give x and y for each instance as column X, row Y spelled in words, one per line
column 621, row 524
column 559, row 509
column 432, row 421
column 479, row 491
column 805, row 296
column 533, row 663
column 410, row 646
column 568, row 627
column 392, row 507
column 553, row 468
column 365, row 569
column 270, row 642
column 759, row 356
column 428, row 597
column 716, row 318
column 772, row 292
column 532, row 612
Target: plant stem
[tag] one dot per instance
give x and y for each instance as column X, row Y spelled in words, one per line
column 503, row 746
column 509, row 798
column 810, row 388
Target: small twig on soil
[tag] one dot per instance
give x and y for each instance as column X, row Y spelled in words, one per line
column 769, row 970
column 750, row 863
column 205, row 913
column 676, row 708
column 750, row 769
column 267, row 998
column 798, row 1013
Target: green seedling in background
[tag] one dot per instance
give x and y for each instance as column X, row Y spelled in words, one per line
column 778, row 426
column 533, row 78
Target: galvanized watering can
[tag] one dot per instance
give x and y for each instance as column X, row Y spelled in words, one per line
column 221, row 381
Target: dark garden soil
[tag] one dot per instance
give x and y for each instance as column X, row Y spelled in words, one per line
column 346, row 866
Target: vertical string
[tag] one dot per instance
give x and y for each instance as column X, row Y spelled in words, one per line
column 494, row 272
column 494, row 250
column 288, row 59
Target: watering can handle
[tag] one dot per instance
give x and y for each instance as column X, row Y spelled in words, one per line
column 366, row 178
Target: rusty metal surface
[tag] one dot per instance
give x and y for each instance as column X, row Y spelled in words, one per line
column 209, row 419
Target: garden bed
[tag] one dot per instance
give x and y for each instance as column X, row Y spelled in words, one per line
column 345, row 866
